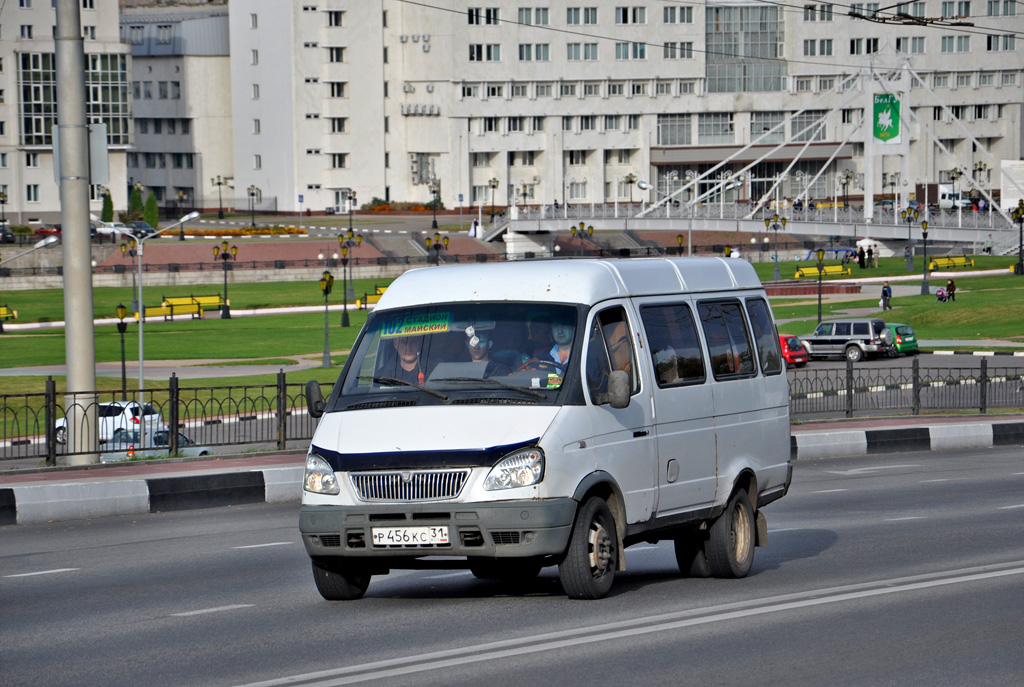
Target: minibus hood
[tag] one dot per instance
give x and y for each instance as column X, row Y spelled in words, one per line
column 439, row 435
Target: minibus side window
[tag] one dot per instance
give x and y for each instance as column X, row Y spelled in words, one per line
column 674, row 345
column 609, row 347
column 765, row 336
column 728, row 340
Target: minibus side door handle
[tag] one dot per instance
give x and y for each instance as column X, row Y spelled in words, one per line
column 640, row 433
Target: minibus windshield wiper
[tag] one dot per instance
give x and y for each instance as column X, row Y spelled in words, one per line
column 491, row 380
column 395, row 380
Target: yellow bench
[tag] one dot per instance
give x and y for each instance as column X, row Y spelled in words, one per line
column 825, row 271
column 203, row 302
column 955, row 261
column 7, row 314
column 371, row 298
column 169, row 311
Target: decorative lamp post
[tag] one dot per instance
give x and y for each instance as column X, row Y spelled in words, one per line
column 122, row 327
column 351, row 210
column 910, row 216
column 438, row 244
column 348, row 243
column 1018, row 217
column 435, row 190
column 581, row 230
column 526, row 194
column 679, row 241
column 182, row 197
column 225, row 255
column 326, row 282
column 493, row 183
column 773, row 223
column 218, row 182
column 844, row 181
column 253, row 191
column 924, row 279
column 954, row 176
column 820, row 253
column 3, row 209
column 128, row 250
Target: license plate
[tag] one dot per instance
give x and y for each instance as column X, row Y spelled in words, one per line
column 409, row 536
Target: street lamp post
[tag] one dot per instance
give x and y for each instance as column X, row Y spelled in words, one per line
column 435, row 190
column 218, row 182
column 326, row 282
column 630, row 179
column 773, row 223
column 581, row 230
column 954, row 175
column 122, row 327
column 253, row 191
column 679, row 241
column 493, row 183
column 438, row 244
column 820, row 253
column 924, row 278
column 1018, row 217
column 182, row 197
column 3, row 209
column 142, row 317
column 910, row 216
column 348, row 243
column 844, row 181
column 225, row 255
column 128, row 249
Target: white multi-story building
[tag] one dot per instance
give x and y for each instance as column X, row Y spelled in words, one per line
column 564, row 100
column 181, row 95
column 28, row 104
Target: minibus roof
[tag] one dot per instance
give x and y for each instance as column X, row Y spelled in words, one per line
column 567, row 280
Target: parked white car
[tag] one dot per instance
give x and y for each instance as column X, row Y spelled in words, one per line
column 117, row 415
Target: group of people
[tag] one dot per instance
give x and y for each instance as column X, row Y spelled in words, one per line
column 866, row 258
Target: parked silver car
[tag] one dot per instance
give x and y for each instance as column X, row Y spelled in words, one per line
column 125, row 446
column 854, row 339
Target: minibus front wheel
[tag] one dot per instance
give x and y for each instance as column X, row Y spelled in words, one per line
column 731, row 538
column 336, row 583
column 589, row 566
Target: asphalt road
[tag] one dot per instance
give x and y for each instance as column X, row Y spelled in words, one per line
column 901, row 569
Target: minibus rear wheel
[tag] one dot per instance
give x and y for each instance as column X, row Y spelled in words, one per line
column 730, row 545
column 335, row 583
column 589, row 566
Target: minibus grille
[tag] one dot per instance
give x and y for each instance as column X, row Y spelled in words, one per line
column 409, row 485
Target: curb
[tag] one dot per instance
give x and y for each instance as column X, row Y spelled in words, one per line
column 39, row 503
column 846, row 443
column 73, row 501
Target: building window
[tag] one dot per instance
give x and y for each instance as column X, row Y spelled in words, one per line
column 567, row 123
column 255, row 91
column 715, row 128
column 538, row 124
column 630, row 15
column 175, row 90
column 32, row 193
column 31, row 159
column 335, row 18
column 336, row 89
column 590, row 15
column 495, row 91
column 985, row 79
column 576, row 158
column 573, row 51
column 612, row 122
column 89, row 33
column 567, row 90
column 674, row 129
column 677, row 15
column 615, row 89
column 336, row 54
column 257, row 162
column 543, row 90
column 672, row 51
column 255, row 126
column 743, row 49
column 338, row 124
column 808, row 126
column 572, row 16
column 163, row 34
column 519, row 90
column 161, row 89
column 588, row 122
column 591, row 89
column 26, row 32
column 515, row 124
column 254, row 22
column 492, row 124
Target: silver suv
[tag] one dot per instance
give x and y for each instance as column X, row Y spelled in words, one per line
column 853, row 339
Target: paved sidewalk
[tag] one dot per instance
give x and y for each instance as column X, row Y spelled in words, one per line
column 74, row 493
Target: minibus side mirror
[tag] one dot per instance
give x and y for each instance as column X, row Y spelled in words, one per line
column 314, row 399
column 618, row 389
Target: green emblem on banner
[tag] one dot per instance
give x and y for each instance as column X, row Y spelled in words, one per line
column 887, row 117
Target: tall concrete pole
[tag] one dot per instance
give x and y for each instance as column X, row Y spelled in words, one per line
column 79, row 343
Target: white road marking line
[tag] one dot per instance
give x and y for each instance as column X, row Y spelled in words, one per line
column 785, row 529
column 211, row 610
column 929, row 481
column 44, row 572
column 667, row 622
column 909, row 517
column 1019, row 505
column 261, row 546
column 829, row 491
column 460, row 573
column 643, row 548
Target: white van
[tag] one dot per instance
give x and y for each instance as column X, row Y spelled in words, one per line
column 505, row 417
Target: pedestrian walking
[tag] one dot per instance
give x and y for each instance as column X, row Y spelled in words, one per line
column 876, row 256
column 988, row 245
column 886, row 296
column 861, row 257
column 871, row 257
column 951, row 290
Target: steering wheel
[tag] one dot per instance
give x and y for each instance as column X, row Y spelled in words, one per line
column 539, row 365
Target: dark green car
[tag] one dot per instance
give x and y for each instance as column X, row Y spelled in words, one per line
column 905, row 340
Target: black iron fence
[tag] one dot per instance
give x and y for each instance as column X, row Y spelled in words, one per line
column 273, row 416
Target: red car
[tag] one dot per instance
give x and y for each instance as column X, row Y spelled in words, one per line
column 793, row 350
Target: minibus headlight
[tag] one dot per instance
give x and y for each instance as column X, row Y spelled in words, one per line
column 520, row 469
column 319, row 477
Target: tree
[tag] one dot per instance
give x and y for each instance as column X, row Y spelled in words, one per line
column 135, row 205
column 107, row 214
column 152, row 212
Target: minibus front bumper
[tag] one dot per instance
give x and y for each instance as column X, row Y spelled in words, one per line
column 505, row 529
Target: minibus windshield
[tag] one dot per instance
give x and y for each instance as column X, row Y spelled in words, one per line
column 520, row 350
